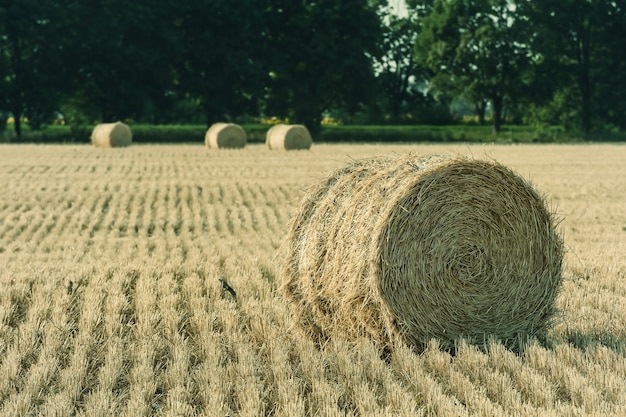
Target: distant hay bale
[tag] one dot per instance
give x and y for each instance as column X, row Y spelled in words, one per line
column 111, row 135
column 225, row 135
column 421, row 247
column 288, row 137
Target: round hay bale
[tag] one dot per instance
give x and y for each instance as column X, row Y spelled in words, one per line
column 423, row 247
column 225, row 135
column 288, row 137
column 111, row 135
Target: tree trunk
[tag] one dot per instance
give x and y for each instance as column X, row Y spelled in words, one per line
column 309, row 116
column 313, row 124
column 15, row 96
column 480, row 108
column 497, row 102
column 17, row 117
column 585, row 78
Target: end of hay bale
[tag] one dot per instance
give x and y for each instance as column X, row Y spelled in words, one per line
column 225, row 135
column 111, row 135
column 422, row 248
column 288, row 137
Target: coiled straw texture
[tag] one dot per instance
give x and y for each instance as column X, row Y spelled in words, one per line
column 111, row 135
column 225, row 135
column 288, row 137
column 422, row 247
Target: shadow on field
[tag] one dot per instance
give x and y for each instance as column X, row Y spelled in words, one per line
column 584, row 341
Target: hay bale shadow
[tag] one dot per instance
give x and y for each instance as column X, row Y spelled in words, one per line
column 584, row 341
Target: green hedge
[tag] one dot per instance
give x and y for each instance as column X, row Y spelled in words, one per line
column 141, row 134
column 400, row 134
column 167, row 134
column 49, row 134
column 434, row 134
column 362, row 134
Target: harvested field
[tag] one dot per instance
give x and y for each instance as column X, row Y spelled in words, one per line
column 110, row 299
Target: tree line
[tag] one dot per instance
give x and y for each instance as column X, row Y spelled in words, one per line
column 540, row 62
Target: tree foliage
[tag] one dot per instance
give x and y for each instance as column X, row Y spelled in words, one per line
column 30, row 69
column 140, row 60
column 218, row 56
column 477, row 49
column 581, row 59
column 402, row 79
column 319, row 56
column 555, row 61
column 159, row 61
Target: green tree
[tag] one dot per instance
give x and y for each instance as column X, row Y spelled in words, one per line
column 477, row 49
column 581, row 61
column 219, row 56
column 401, row 77
column 30, row 69
column 319, row 56
column 611, row 55
column 120, row 55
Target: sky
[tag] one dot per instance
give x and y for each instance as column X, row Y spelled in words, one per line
column 399, row 7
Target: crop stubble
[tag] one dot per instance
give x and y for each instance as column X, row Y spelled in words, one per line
column 110, row 300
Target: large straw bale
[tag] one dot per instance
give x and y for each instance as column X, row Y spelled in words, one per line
column 111, row 135
column 225, row 135
column 288, row 137
column 420, row 247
